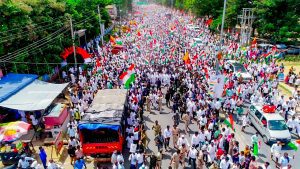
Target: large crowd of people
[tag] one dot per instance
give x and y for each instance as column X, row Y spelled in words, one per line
column 173, row 68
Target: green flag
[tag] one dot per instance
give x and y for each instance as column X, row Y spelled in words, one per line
column 255, row 149
column 292, row 146
column 129, row 81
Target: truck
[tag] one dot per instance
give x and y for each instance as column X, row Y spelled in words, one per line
column 101, row 129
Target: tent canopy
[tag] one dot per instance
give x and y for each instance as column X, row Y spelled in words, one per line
column 38, row 95
column 12, row 83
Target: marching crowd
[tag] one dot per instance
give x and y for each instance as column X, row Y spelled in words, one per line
column 172, row 69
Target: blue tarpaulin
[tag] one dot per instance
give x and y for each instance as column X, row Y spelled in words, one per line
column 96, row 126
column 12, row 83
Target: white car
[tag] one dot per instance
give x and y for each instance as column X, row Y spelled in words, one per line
column 271, row 126
column 239, row 70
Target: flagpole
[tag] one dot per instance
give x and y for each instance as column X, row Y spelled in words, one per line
column 221, row 37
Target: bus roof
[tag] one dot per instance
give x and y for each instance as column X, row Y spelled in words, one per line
column 107, row 107
column 108, row 99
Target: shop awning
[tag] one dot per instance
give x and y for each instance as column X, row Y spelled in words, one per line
column 38, row 95
column 12, row 83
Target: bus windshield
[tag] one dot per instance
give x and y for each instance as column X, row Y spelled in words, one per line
column 99, row 136
column 277, row 125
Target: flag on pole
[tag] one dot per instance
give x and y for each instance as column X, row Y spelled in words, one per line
column 292, row 146
column 112, row 40
column 229, row 122
column 186, row 58
column 128, row 77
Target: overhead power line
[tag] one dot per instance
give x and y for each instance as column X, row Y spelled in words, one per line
column 34, row 45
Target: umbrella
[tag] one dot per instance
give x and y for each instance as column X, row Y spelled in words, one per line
column 13, row 130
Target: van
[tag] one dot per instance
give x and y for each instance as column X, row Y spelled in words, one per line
column 271, row 126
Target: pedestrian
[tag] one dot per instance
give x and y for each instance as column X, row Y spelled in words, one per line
column 113, row 158
column 159, row 141
column 133, row 161
column 175, row 134
column 284, row 160
column 144, row 138
column 156, row 128
column 175, row 160
column 43, row 157
column 225, row 163
column 192, row 154
column 159, row 158
column 253, row 163
column 52, row 165
column 186, row 119
column 276, row 151
column 71, row 152
column 79, row 152
column 254, row 139
column 183, row 153
column 79, row 164
column 167, row 137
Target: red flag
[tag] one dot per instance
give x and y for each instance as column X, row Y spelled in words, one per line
column 98, row 64
column 231, row 121
column 139, row 33
column 254, row 43
column 208, row 22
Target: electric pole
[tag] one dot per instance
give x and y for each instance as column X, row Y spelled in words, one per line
column 101, row 31
column 221, row 38
column 73, row 41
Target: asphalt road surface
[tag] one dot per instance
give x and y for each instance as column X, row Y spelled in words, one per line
column 165, row 118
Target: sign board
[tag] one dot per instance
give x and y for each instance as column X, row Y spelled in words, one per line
column 58, row 143
column 281, row 77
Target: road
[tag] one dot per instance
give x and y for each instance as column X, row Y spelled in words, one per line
column 165, row 118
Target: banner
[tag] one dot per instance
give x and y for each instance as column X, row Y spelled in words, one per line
column 281, row 77
column 58, row 143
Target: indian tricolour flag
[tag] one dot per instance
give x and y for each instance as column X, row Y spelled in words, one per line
column 128, row 77
column 229, row 122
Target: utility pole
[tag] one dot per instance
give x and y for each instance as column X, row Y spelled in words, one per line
column 221, row 38
column 73, row 41
column 247, row 20
column 102, row 33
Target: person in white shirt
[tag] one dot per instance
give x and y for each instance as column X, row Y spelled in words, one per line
column 284, row 160
column 34, row 121
column 225, row 164
column 52, row 165
column 266, row 165
column 167, row 136
column 140, row 159
column 207, row 134
column 291, row 123
column 275, row 151
column 245, row 121
column 195, row 140
column 218, row 106
column 192, row 154
column 182, row 140
column 133, row 160
column 211, row 150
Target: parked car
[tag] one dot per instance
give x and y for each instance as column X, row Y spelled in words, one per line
column 293, row 50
